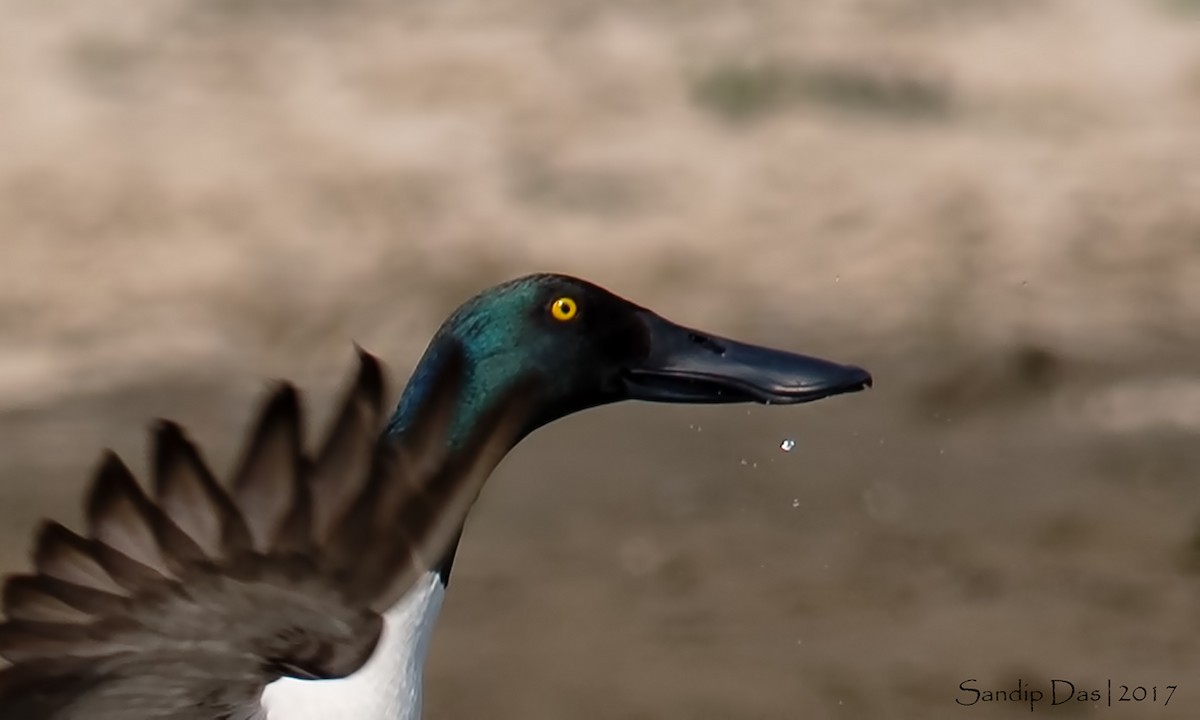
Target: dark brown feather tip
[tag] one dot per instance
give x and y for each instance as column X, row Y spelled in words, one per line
column 370, row 385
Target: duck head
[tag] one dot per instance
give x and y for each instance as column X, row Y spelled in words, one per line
column 588, row 347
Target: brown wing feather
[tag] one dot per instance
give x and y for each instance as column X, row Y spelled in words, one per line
column 120, row 516
column 188, row 493
column 27, row 598
column 187, row 604
column 346, row 451
column 41, row 598
column 61, row 554
column 264, row 484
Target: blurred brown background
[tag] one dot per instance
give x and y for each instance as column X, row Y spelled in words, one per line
column 992, row 204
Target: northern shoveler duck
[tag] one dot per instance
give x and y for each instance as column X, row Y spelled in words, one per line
column 307, row 588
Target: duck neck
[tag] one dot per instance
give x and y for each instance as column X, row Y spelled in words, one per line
column 479, row 391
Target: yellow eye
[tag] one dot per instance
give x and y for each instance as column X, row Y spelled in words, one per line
column 563, row 309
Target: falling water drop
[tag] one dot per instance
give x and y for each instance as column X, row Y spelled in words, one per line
column 787, row 444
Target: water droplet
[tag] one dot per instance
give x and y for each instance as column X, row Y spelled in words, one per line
column 787, row 444
column 795, row 502
column 837, row 278
column 743, row 461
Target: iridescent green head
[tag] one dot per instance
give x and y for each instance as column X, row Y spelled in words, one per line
column 588, row 347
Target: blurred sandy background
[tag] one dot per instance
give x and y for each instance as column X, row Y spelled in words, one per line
column 992, row 204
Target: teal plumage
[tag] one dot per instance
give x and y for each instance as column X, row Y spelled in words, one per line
column 505, row 333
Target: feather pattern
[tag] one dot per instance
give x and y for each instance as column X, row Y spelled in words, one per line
column 186, row 602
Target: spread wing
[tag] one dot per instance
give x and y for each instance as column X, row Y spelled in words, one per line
column 186, row 601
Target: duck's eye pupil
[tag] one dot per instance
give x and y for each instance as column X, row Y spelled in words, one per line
column 563, row 309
